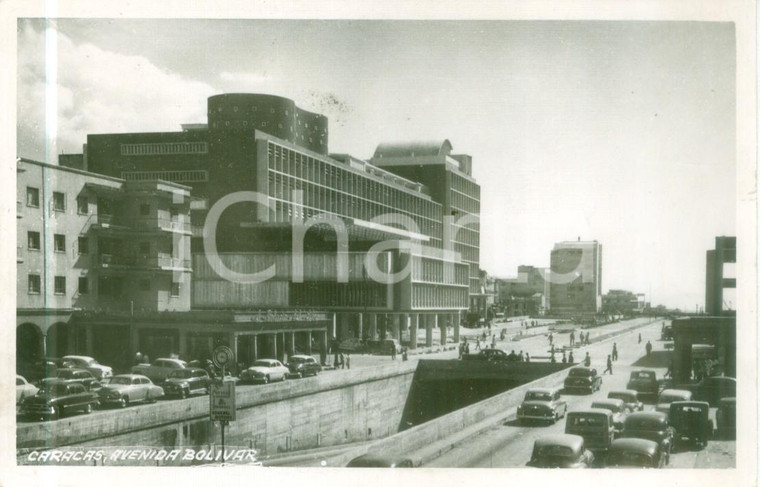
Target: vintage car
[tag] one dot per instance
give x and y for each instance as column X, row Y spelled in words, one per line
column 39, row 369
column 160, row 369
column 303, row 365
column 55, row 399
column 183, row 382
column 725, row 417
column 667, row 333
column 594, row 425
column 97, row 370
column 560, row 451
column 265, row 371
column 618, row 410
column 691, row 422
column 629, row 397
column 635, row 453
column 584, row 379
column 713, row 389
column 542, row 405
column 371, row 460
column 669, row 395
column 650, row 425
column 126, row 389
column 74, row 376
column 491, row 354
column 24, row 389
column 644, row 382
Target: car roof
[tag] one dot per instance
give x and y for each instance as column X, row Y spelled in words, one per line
column 624, row 391
column 544, row 390
column 609, row 402
column 72, row 369
column 301, row 356
column 647, row 415
column 728, row 400
column 131, row 376
column 80, row 357
column 175, row 360
column 559, row 439
column 675, row 392
column 605, row 412
column 635, row 444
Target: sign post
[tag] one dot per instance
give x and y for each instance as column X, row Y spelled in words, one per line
column 222, row 392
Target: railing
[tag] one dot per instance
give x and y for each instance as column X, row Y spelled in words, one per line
column 161, row 261
column 139, row 224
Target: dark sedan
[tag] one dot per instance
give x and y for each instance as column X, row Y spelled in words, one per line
column 560, row 451
column 54, row 399
column 635, row 453
column 651, row 425
column 303, row 365
column 584, row 379
column 74, row 376
column 183, row 382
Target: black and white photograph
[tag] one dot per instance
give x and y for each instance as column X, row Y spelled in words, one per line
column 290, row 241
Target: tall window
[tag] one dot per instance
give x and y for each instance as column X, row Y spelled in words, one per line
column 34, row 240
column 83, row 205
column 84, row 245
column 175, row 289
column 59, row 242
column 59, row 201
column 60, row 285
column 34, row 284
column 32, row 197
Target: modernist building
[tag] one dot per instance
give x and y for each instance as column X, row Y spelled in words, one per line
column 576, row 284
column 324, row 203
column 621, row 302
column 528, row 293
column 720, row 278
column 95, row 244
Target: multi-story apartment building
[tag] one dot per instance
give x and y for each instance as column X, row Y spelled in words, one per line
column 95, row 244
column 311, row 216
column 720, row 278
column 576, row 278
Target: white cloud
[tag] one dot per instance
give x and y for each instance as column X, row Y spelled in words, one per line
column 100, row 91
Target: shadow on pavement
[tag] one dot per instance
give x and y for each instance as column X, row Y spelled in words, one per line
column 659, row 358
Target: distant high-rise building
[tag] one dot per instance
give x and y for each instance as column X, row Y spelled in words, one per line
column 720, row 277
column 576, row 280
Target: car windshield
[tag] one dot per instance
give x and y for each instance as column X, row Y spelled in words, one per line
column 590, row 420
column 263, row 363
column 555, row 451
column 121, row 380
column 64, row 374
column 629, row 459
column 538, row 396
column 642, row 375
column 579, row 372
column 644, row 424
column 181, row 374
column 54, row 390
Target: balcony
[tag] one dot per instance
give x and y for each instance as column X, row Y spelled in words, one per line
column 119, row 223
column 160, row 262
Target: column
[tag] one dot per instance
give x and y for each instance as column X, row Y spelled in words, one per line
column 373, row 326
column 255, row 348
column 308, row 341
column 429, row 322
column 335, row 325
column 396, row 327
column 323, row 348
column 413, row 330
column 233, row 339
column 292, row 347
column 360, row 334
column 443, row 322
column 457, row 319
column 274, row 344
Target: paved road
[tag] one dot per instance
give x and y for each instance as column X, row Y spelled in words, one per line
column 510, row 444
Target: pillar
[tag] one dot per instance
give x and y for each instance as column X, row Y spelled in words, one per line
column 414, row 319
column 360, row 334
column 308, row 341
column 443, row 322
column 255, row 348
column 292, row 347
column 456, row 318
column 396, row 327
column 429, row 322
column 234, row 346
column 274, row 345
column 373, row 326
column 335, row 325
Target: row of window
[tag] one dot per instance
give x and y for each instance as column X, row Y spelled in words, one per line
column 59, row 285
column 83, row 244
column 352, row 295
column 465, row 186
column 58, row 202
column 439, row 297
column 190, row 176
column 432, row 270
column 164, row 148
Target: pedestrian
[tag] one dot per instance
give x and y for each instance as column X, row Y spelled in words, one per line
column 145, row 359
column 527, row 357
column 564, row 357
column 348, row 360
column 609, row 365
column 138, row 358
column 570, row 357
column 341, row 362
column 552, row 349
column 587, row 360
column 393, row 352
column 522, row 357
column 404, row 356
column 477, row 343
column 649, row 348
column 572, row 338
column 639, row 337
column 553, row 360
column 669, row 372
column 461, row 349
column 467, row 348
column 614, row 352
column 493, row 341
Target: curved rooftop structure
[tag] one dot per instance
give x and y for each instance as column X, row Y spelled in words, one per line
column 413, row 149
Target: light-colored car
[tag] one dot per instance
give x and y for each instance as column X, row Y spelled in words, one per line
column 670, row 395
column 126, row 389
column 543, row 404
column 160, row 369
column 97, row 370
column 265, row 371
column 24, row 389
column 629, row 397
column 618, row 410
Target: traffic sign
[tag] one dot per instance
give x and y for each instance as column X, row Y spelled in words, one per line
column 222, row 356
column 222, row 400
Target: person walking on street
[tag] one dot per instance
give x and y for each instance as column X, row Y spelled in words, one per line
column 393, row 352
column 609, row 365
column 639, row 337
column 614, row 351
column 341, row 362
column 587, row 360
column 649, row 348
column 551, row 338
column 570, row 357
column 348, row 360
column 477, row 343
column 572, row 338
column 564, row 357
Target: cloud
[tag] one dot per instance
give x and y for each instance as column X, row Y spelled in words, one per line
column 99, row 91
column 245, row 79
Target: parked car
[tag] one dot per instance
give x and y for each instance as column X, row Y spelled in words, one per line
column 618, row 410
column 594, row 425
column 635, row 453
column 98, row 371
column 560, row 451
column 644, row 382
column 303, row 365
column 725, row 418
column 650, row 425
column 713, row 389
column 55, row 399
column 126, row 389
column 265, row 371
column 24, row 389
column 542, row 405
column 584, row 379
column 691, row 421
column 629, row 397
column 183, row 382
column 160, row 369
column 39, row 369
column 667, row 333
column 74, row 376
column 669, row 395
column 371, row 460
column 493, row 354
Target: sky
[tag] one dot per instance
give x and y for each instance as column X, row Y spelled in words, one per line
column 621, row 132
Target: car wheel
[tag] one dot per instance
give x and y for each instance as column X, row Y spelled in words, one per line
column 124, row 401
column 57, row 412
column 183, row 394
column 266, row 379
column 88, row 409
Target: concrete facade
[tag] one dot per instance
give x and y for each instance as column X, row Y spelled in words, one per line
column 576, row 278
